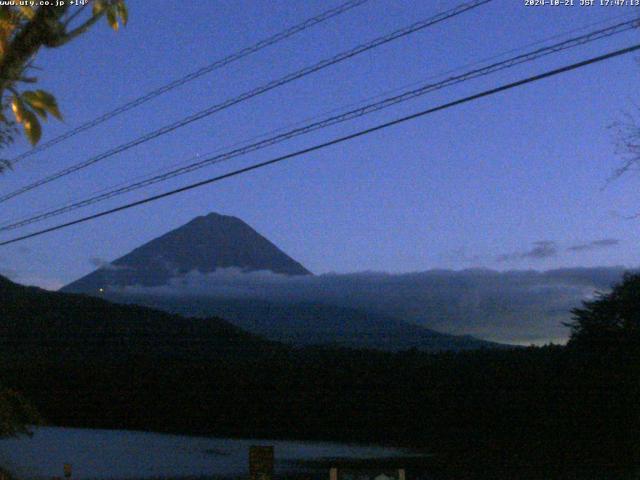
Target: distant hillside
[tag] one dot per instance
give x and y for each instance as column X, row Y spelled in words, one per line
column 38, row 324
column 304, row 324
column 204, row 245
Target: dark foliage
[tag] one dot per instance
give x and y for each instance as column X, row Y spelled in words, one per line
column 551, row 409
column 611, row 323
column 49, row 326
column 8, row 131
column 17, row 415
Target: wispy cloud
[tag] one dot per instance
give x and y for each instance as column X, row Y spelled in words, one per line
column 514, row 306
column 104, row 264
column 541, row 250
column 594, row 245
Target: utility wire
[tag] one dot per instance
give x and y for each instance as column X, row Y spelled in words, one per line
column 253, row 93
column 333, row 120
column 331, row 111
column 308, row 23
column 335, row 141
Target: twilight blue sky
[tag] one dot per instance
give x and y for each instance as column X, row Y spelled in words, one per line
column 512, row 181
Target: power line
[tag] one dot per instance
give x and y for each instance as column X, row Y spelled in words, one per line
column 333, row 120
column 253, row 93
column 149, row 175
column 308, row 23
column 335, row 141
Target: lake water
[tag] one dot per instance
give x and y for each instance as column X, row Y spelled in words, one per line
column 101, row 454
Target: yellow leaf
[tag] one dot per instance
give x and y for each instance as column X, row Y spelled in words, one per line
column 40, row 111
column 27, row 12
column 7, row 26
column 98, row 7
column 18, row 108
column 112, row 19
column 49, row 103
column 123, row 12
column 32, row 99
column 32, row 128
column 42, row 102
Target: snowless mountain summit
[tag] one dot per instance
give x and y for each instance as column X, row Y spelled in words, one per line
column 205, row 244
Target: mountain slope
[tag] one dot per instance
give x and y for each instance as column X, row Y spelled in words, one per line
column 304, row 324
column 38, row 324
column 204, row 244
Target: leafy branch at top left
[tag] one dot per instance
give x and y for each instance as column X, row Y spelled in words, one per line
column 24, row 30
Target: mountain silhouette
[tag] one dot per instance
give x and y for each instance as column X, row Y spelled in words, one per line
column 205, row 244
column 215, row 241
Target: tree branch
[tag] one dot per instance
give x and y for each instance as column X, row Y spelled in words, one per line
column 35, row 33
column 74, row 15
column 67, row 37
